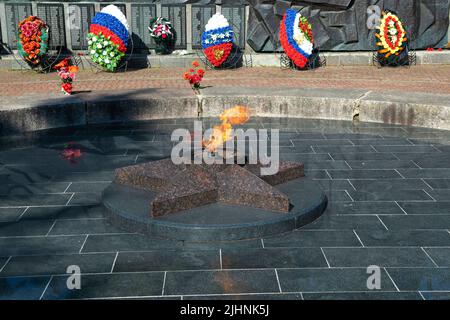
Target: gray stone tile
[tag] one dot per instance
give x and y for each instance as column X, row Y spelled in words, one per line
column 108, row 285
column 97, row 176
column 389, row 185
column 404, row 238
column 272, row 258
column 64, row 212
column 363, row 156
column 364, row 208
column 345, row 222
column 390, row 195
column 426, row 207
column 10, row 214
column 327, row 185
column 165, row 260
column 327, row 280
column 316, row 174
column 313, row 238
column 368, row 295
column 33, row 188
column 57, row 264
column 383, row 257
column 407, row 149
column 440, row 255
column 127, row 242
column 382, row 142
column 248, row 297
column 83, row 226
column 3, row 262
column 19, row 288
column 25, row 228
column 351, row 136
column 24, row 175
column 440, row 195
column 364, row 174
column 252, row 243
column 89, row 187
column 336, row 165
column 425, row 173
column 305, row 158
column 220, row 282
column 430, row 295
column 429, row 221
column 40, row 245
column 439, row 183
column 337, row 196
column 344, row 149
column 321, row 142
column 34, row 200
column 381, row 164
column 85, row 199
column 421, row 279
column 426, row 161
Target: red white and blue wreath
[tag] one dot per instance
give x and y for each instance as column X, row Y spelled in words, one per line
column 296, row 37
column 217, row 40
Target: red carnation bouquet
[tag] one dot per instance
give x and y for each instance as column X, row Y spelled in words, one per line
column 195, row 76
column 66, row 72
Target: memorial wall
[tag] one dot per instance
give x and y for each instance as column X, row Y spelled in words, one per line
column 338, row 25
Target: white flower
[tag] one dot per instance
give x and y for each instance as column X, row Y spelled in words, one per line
column 104, row 52
column 94, row 39
column 92, row 51
column 105, row 43
column 111, row 53
column 107, row 60
column 99, row 46
column 89, row 42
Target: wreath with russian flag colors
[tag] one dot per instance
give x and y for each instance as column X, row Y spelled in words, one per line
column 391, row 36
column 108, row 38
column 296, row 37
column 217, row 40
column 32, row 44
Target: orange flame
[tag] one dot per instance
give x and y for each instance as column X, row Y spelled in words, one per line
column 223, row 132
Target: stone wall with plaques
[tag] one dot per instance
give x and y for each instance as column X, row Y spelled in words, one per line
column 236, row 18
column 177, row 16
column 200, row 17
column 14, row 13
column 141, row 13
column 80, row 14
column 53, row 15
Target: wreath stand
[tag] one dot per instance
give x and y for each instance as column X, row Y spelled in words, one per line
column 237, row 58
column 315, row 61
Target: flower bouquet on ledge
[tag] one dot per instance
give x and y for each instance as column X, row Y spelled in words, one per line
column 33, row 40
column 195, row 76
column 162, row 32
column 67, row 74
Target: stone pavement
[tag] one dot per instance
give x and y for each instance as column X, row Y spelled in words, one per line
column 388, row 189
column 423, row 78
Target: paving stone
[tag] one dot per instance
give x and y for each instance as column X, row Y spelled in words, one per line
column 407, row 149
column 421, row 279
column 248, row 297
column 425, row 173
column 167, row 260
column 103, row 176
column 83, row 226
column 31, row 189
column 364, row 156
column 10, row 214
column 85, row 199
column 321, row 142
column 305, row 157
column 89, row 187
column 317, row 174
column 108, row 285
column 404, row 238
column 327, row 280
column 391, row 195
column 381, row 142
column 429, row 221
column 220, row 282
column 25, row 228
column 22, row 288
column 368, row 295
column 63, row 212
column 381, row 164
column 127, row 242
column 344, row 149
column 57, row 264
column 430, row 295
column 440, row 195
column 364, row 208
column 327, row 185
column 252, row 243
column 389, row 185
column 346, row 222
column 16, row 246
column 364, row 174
column 427, row 161
column 439, row 183
column 333, row 165
column 34, row 200
column 426, row 207
column 314, row 238
column 440, row 255
column 383, row 257
column 351, row 136
column 272, row 258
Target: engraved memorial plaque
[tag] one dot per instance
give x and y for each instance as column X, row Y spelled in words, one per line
column 200, row 17
column 236, row 18
column 141, row 14
column 121, row 6
column 15, row 12
column 80, row 16
column 53, row 15
column 176, row 14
